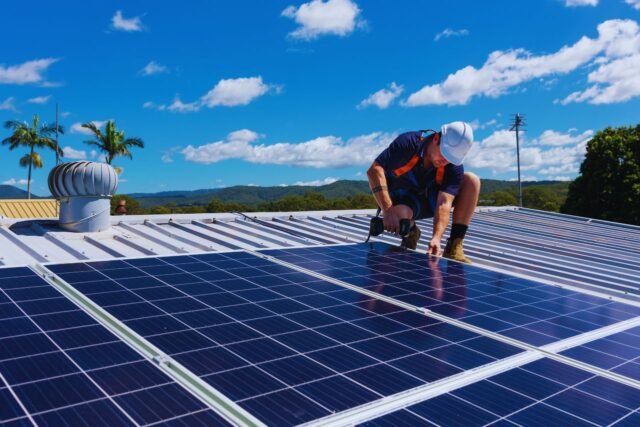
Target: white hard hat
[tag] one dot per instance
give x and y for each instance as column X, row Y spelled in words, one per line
column 457, row 139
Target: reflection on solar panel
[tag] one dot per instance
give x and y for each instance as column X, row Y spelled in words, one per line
column 525, row 310
column 544, row 392
column 58, row 365
column 338, row 340
column 287, row 347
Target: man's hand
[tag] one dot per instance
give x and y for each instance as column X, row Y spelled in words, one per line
column 434, row 247
column 391, row 221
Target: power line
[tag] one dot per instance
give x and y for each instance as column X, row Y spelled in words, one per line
column 518, row 122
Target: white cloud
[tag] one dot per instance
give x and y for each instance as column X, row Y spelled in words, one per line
column 8, row 104
column 65, row 114
column 71, row 153
column 633, row 3
column 13, row 181
column 383, row 98
column 317, row 18
column 167, row 155
column 322, row 152
column 614, row 53
column 318, row 182
column 227, row 93
column 575, row 3
column 27, row 72
column 181, row 107
column 233, row 92
column 121, row 23
column 553, row 138
column 476, row 124
column 39, row 100
column 154, row 68
column 551, row 153
column 77, row 127
column 448, row 32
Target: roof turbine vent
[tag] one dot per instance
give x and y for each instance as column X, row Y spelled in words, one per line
column 84, row 190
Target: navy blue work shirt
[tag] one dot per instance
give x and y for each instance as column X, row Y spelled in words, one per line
column 403, row 163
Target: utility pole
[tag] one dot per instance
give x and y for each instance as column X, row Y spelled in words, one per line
column 517, row 122
column 57, row 154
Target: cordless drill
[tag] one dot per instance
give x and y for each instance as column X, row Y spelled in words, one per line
column 376, row 227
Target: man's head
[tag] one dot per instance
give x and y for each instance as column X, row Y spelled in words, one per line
column 455, row 140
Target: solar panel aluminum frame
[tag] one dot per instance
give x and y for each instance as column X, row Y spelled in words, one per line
column 216, row 400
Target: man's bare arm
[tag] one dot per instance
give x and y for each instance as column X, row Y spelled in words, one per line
column 440, row 221
column 378, row 185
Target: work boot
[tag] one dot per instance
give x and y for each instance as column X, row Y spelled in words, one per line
column 410, row 241
column 454, row 251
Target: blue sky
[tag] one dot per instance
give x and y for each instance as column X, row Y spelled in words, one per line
column 285, row 92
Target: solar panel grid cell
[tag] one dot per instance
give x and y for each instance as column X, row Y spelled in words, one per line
column 525, row 310
column 619, row 353
column 544, row 392
column 65, row 368
column 265, row 333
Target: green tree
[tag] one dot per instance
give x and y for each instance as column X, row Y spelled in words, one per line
column 133, row 206
column 35, row 135
column 502, row 198
column 112, row 142
column 540, row 198
column 608, row 186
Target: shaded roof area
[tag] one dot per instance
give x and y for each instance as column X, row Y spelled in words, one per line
column 24, row 208
column 595, row 255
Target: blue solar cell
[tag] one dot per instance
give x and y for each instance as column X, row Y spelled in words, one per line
column 448, row 410
column 296, row 370
column 9, row 407
column 590, row 408
column 245, row 382
column 621, row 394
column 337, row 393
column 384, row 380
column 460, row 356
column 286, row 407
column 425, row 367
column 594, row 357
column 542, row 414
column 98, row 413
column 527, row 383
column 210, row 360
column 396, row 419
column 493, row 398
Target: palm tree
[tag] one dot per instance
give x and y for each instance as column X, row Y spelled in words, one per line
column 31, row 136
column 112, row 142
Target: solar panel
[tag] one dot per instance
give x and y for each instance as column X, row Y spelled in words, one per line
column 284, row 345
column 59, row 366
column 619, row 353
column 517, row 308
column 544, row 392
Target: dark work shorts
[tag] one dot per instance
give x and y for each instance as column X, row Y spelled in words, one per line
column 422, row 208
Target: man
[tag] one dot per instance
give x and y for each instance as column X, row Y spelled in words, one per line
column 420, row 175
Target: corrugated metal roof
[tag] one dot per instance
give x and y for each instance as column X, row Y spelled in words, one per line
column 597, row 256
column 24, row 208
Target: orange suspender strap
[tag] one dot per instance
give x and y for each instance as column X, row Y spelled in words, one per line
column 408, row 166
column 440, row 175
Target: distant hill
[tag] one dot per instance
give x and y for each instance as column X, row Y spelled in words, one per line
column 11, row 192
column 249, row 195
column 253, row 195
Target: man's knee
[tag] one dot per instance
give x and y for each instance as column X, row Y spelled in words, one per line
column 471, row 180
